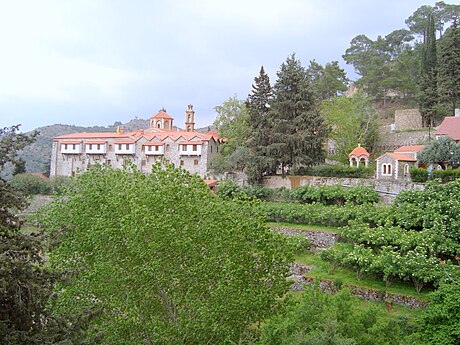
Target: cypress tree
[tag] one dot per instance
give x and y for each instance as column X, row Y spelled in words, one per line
column 449, row 68
column 260, row 127
column 299, row 130
column 428, row 99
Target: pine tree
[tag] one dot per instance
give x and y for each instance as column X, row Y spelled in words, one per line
column 428, row 99
column 299, row 130
column 259, row 128
column 449, row 68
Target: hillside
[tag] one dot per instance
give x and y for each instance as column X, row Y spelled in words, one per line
column 38, row 154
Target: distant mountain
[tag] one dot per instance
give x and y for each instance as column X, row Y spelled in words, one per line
column 38, row 154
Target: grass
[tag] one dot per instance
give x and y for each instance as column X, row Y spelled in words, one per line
column 305, row 227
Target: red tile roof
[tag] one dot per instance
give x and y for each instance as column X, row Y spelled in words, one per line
column 161, row 115
column 399, row 157
column 359, row 151
column 409, row 148
column 124, row 142
column 450, row 126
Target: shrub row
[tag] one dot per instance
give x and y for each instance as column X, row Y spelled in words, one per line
column 315, row 213
column 229, row 189
column 422, row 175
column 31, row 184
column 335, row 195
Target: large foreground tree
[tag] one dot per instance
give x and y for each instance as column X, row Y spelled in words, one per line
column 299, row 130
column 169, row 262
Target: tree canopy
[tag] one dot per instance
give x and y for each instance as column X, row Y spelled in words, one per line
column 299, row 131
column 353, row 121
column 169, row 262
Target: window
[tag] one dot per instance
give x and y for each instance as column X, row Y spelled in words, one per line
column 195, row 162
column 157, row 148
column 184, row 147
column 65, row 146
column 211, row 149
column 98, row 147
column 119, row 146
column 149, row 148
column 181, row 163
column 127, row 146
column 406, row 169
column 386, row 169
column 195, row 147
column 90, row 146
column 74, row 146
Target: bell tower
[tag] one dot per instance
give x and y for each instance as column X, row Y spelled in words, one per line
column 190, row 119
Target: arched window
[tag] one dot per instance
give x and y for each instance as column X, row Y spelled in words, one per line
column 158, row 124
column 386, row 169
column 406, row 169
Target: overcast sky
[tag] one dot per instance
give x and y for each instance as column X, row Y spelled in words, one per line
column 90, row 62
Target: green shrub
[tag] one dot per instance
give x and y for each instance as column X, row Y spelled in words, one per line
column 229, row 189
column 299, row 244
column 418, row 174
column 31, row 184
column 446, row 175
column 335, row 195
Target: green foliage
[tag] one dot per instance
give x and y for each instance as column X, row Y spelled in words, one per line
column 26, row 292
column 320, row 318
column 31, row 184
column 353, row 121
column 318, row 214
column 258, row 159
column 230, row 190
column 299, row 244
column 449, row 68
column 298, row 129
column 443, row 151
column 446, row 175
column 232, row 124
column 336, row 171
column 439, row 323
column 168, row 261
column 335, row 194
column 328, row 81
column 418, row 174
column 415, row 240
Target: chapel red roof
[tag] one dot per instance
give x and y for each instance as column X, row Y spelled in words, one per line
column 359, row 151
column 161, row 115
column 450, row 126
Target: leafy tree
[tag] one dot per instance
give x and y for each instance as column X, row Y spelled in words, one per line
column 428, row 98
column 439, row 322
column 327, row 81
column 20, row 167
column 299, row 130
column 449, row 68
column 232, row 124
column 26, row 282
column 353, row 121
column 169, row 262
column 260, row 128
column 443, row 152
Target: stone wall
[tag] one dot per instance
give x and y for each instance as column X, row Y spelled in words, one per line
column 388, row 189
column 407, row 119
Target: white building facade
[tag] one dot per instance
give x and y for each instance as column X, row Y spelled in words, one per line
column 75, row 153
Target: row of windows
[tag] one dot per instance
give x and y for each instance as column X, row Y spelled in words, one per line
column 387, row 169
column 120, row 147
column 195, row 162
